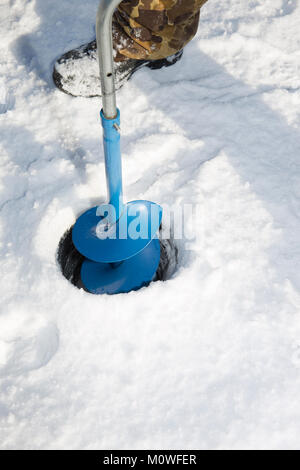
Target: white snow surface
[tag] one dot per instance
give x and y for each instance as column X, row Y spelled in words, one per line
column 209, row 359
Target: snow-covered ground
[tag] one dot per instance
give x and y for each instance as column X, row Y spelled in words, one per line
column 210, row 358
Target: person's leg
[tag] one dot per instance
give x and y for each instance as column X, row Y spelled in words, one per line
column 146, row 33
column 154, row 29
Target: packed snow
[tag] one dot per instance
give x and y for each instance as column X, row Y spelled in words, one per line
column 209, row 359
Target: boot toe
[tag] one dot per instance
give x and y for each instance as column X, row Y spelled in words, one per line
column 78, row 75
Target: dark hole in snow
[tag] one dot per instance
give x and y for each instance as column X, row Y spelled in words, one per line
column 70, row 260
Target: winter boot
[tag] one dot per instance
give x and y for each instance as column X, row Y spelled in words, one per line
column 77, row 72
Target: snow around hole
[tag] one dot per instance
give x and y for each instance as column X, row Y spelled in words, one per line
column 209, row 359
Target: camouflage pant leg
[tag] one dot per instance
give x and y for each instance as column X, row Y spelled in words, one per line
column 154, row 29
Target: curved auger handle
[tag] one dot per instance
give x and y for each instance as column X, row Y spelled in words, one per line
column 105, row 52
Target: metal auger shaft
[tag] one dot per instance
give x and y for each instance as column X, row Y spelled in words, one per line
column 117, row 260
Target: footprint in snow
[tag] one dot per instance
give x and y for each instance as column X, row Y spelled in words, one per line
column 20, row 355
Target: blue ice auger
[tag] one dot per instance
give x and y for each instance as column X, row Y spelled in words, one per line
column 118, row 240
